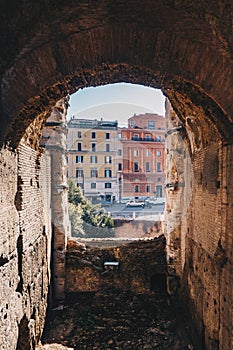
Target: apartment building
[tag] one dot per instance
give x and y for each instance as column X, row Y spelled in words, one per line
column 143, row 144
column 94, row 157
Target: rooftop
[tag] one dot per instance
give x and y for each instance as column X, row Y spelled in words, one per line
column 92, row 123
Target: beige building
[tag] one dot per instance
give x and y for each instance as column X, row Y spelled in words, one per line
column 94, row 158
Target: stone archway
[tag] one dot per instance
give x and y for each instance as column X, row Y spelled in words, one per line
column 172, row 46
column 54, row 48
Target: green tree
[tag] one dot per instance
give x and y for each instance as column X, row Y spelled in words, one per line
column 75, row 215
column 93, row 215
column 74, row 195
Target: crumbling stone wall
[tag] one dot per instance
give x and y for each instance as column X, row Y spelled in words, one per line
column 141, row 265
column 25, row 234
column 209, row 247
column 199, row 245
column 54, row 137
column 184, row 48
column 178, row 187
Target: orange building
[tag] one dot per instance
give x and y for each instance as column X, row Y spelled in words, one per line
column 143, row 144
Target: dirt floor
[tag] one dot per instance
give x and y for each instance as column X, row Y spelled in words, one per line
column 119, row 320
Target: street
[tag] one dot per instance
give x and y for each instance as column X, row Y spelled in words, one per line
column 120, row 210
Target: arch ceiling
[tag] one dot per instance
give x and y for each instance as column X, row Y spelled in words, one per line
column 53, row 48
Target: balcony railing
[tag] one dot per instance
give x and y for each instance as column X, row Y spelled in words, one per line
column 143, row 139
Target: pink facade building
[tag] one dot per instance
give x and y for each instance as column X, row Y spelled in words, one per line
column 143, row 145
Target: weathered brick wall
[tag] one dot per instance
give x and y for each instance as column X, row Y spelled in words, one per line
column 226, row 266
column 208, row 268
column 142, row 266
column 186, row 49
column 10, row 299
column 25, row 233
column 200, row 238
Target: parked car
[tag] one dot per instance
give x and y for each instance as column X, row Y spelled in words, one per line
column 135, row 204
column 125, row 200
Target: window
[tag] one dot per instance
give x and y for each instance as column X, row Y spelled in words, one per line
column 136, row 137
column 94, row 173
column 108, row 160
column 136, row 188
column 93, row 159
column 119, row 167
column 158, row 166
column 158, row 153
column 159, row 138
column 79, row 134
column 148, row 137
column 93, row 185
column 93, row 147
column 136, row 179
column 131, row 123
column 159, row 179
column 108, row 185
column 147, row 188
column 108, row 173
column 119, row 136
column 93, row 135
column 159, row 191
column 79, row 173
column 107, row 147
column 136, row 168
column 151, row 125
column 119, row 152
column 147, row 166
column 79, row 159
column 148, row 153
column 135, row 152
column 79, row 146
column 80, row 184
column 107, row 135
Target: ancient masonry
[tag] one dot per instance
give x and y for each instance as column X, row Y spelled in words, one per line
column 52, row 49
column 54, row 138
column 25, row 246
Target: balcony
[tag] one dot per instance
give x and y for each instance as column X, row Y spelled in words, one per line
column 143, row 139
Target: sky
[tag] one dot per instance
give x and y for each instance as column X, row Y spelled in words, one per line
column 116, row 102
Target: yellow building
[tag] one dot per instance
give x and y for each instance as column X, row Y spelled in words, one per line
column 93, row 157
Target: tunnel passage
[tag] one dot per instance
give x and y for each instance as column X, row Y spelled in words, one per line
column 164, row 45
column 184, row 49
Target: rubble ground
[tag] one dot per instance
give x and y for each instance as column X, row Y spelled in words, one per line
column 116, row 319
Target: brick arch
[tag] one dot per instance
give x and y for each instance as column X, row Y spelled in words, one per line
column 53, row 47
column 191, row 73
column 185, row 97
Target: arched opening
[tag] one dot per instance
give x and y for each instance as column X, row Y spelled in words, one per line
column 195, row 143
column 185, row 51
column 177, row 260
column 102, row 150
